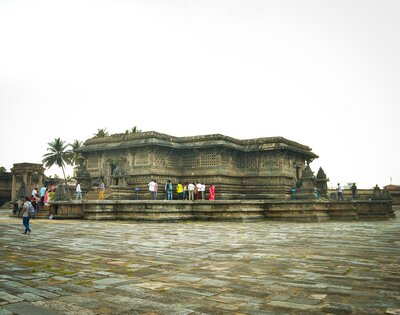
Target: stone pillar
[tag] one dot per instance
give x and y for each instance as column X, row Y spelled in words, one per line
column 13, row 188
column 30, row 185
column 25, row 179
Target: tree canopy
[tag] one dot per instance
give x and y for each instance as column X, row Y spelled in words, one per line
column 133, row 130
column 59, row 155
column 75, row 155
column 101, row 133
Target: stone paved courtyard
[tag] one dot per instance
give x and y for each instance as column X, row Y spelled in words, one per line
column 92, row 267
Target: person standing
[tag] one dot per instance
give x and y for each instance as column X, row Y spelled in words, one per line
column 78, row 191
column 293, row 191
column 184, row 195
column 191, row 191
column 168, row 189
column 212, row 192
column 339, row 192
column 35, row 204
column 34, row 192
column 151, row 189
column 42, row 192
column 354, row 191
column 102, row 190
column 46, row 197
column 155, row 189
column 203, row 191
column 20, row 205
column 179, row 190
column 197, row 189
column 26, row 216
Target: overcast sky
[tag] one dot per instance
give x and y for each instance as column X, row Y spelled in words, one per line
column 322, row 73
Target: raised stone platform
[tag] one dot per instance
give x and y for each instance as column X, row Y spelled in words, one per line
column 162, row 210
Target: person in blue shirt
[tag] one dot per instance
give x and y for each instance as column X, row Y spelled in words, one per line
column 293, row 191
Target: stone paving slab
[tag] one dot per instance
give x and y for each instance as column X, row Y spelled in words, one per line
column 100, row 267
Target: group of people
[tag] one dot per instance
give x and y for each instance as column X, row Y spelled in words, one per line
column 37, row 199
column 186, row 191
column 28, row 206
column 339, row 191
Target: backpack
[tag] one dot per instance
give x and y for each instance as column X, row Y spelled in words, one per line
column 31, row 209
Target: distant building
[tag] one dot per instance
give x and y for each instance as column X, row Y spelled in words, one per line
column 394, row 191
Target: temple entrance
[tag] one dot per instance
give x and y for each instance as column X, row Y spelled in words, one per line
column 298, row 172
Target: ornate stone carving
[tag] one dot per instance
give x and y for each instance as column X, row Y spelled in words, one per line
column 321, row 182
column 250, row 168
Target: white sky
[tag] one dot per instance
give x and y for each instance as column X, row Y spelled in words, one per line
column 322, row 73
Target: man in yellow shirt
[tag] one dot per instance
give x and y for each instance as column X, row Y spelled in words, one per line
column 179, row 191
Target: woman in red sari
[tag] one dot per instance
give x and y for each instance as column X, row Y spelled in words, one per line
column 212, row 192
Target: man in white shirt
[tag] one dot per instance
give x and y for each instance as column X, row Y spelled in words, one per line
column 203, row 191
column 339, row 192
column 198, row 194
column 78, row 191
column 191, row 191
column 152, row 189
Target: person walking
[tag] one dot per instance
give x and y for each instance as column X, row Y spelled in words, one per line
column 78, row 191
column 26, row 216
column 339, row 192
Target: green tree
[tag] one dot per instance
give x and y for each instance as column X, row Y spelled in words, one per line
column 3, row 170
column 59, row 155
column 75, row 155
column 135, row 130
column 101, row 133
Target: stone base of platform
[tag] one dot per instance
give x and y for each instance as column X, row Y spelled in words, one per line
column 147, row 210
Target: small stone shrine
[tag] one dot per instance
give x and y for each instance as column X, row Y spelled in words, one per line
column 26, row 177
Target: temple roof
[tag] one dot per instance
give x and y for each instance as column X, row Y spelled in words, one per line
column 152, row 138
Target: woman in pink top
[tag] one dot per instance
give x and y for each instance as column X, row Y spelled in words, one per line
column 46, row 197
column 212, row 192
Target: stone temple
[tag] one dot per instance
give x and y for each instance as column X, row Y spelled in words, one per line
column 262, row 168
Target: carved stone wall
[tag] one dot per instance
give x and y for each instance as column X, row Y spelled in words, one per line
column 5, row 187
column 241, row 169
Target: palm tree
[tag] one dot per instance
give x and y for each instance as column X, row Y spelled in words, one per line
column 135, row 130
column 75, row 155
column 101, row 133
column 59, row 155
